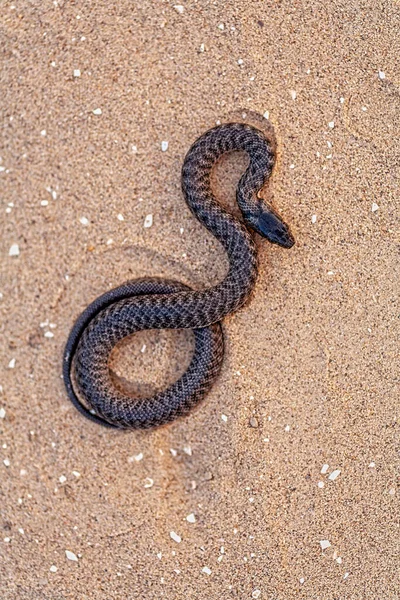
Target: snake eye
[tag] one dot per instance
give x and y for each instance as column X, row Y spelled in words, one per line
column 270, row 225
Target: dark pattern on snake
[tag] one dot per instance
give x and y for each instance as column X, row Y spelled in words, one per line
column 160, row 304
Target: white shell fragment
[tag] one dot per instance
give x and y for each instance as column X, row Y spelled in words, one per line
column 374, row 207
column 97, row 111
column 324, row 544
column 206, row 570
column 174, row 536
column 71, row 556
column 148, row 222
column 14, row 250
column 191, row 518
column 334, row 475
column 164, row 146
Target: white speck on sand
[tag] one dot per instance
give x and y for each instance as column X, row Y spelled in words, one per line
column 77, row 73
column 224, row 418
column 14, row 250
column 324, row 469
column 293, row 94
column 164, row 146
column 44, row 203
column 206, row 570
column 179, row 8
column 287, row 428
column 240, row 61
column 53, row 569
column 325, row 544
column 256, row 594
column 2, row 413
column 174, row 536
column 266, row 114
column 43, row 133
column 11, row 364
column 6, row 462
column 62, row 479
column 49, row 334
column 314, row 219
column 334, row 475
column 221, row 26
column 345, row 576
column 138, row 457
column 97, row 111
column 374, row 207
column 148, row 222
column 187, row 450
column 120, row 217
column 76, row 473
column 191, row 518
column 381, row 75
column 149, row 482
column 21, row 531
column 84, row 221
column 331, row 124
column 321, row 484
column 71, row 556
column 302, row 580
column 339, row 560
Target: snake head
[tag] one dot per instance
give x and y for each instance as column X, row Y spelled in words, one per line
column 269, row 225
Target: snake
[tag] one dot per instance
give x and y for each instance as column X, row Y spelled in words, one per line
column 154, row 303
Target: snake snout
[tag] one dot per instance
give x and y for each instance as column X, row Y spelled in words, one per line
column 270, row 225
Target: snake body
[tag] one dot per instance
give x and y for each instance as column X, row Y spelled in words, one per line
column 160, row 304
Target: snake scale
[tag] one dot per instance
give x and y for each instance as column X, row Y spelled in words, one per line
column 161, row 304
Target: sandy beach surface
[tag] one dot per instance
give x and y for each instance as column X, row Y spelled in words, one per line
column 282, row 484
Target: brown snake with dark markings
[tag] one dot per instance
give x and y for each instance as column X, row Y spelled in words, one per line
column 161, row 304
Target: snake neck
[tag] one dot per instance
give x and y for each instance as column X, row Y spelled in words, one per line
column 234, row 290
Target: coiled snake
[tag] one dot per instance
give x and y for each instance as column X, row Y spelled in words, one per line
column 161, row 304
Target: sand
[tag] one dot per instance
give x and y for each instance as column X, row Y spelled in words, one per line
column 89, row 92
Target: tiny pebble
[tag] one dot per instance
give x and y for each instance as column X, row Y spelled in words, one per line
column 187, row 450
column 334, row 475
column 371, row 464
column 2, row 413
column 49, row 334
column 53, row 569
column 339, row 560
column 84, row 221
column 253, row 422
column 179, row 8
column 62, row 479
column 164, row 146
column 324, row 469
column 14, row 250
column 7, row 539
column 202, row 48
column 374, row 207
column 43, row 133
column 321, row 484
column 240, row 62
column 149, row 482
column 266, row 114
column 302, row 580
column 11, row 364
column 97, row 111
column 71, row 556
column 381, row 75
column 138, row 457
column 293, row 94
column 76, row 473
column 120, row 217
column 148, row 222
column 206, row 570
column 174, row 536
column 314, row 219
column 331, row 124
column 325, row 544
column 191, row 518
column 6, row 462
column 44, row 203
column 21, row 531
column 287, row 428
column 256, row 594
column 224, row 418
column 345, row 576
column 221, row 26
column 77, row 73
